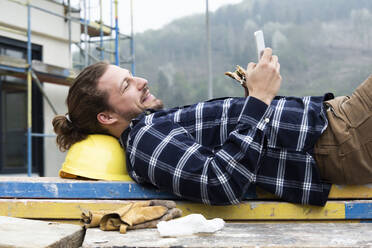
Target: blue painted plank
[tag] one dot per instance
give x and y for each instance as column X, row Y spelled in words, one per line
column 85, row 190
column 12, row 68
column 358, row 210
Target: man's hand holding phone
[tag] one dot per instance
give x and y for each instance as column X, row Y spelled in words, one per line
column 260, row 43
column 263, row 79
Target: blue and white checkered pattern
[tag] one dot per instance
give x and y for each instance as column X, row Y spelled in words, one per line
column 212, row 151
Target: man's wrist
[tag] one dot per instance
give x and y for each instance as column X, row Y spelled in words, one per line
column 255, row 113
column 266, row 99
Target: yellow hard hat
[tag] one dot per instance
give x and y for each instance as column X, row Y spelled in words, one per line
column 97, row 157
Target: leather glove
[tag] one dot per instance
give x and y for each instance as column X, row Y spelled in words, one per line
column 134, row 215
column 239, row 75
column 171, row 214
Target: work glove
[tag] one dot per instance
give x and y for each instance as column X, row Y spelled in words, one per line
column 239, row 75
column 134, row 215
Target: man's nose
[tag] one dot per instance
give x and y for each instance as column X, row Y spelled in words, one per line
column 141, row 83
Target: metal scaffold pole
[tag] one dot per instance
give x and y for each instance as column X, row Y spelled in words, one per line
column 132, row 39
column 210, row 80
column 89, row 48
column 112, row 44
column 85, row 34
column 117, row 61
column 32, row 75
column 101, row 31
column 29, row 92
column 69, row 33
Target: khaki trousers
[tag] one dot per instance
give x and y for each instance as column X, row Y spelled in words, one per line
column 344, row 150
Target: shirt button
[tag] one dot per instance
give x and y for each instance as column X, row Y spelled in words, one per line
column 267, row 120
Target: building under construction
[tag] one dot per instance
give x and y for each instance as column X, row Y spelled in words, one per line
column 42, row 45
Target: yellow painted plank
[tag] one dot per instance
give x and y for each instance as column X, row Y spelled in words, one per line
column 71, row 209
column 54, row 209
column 351, row 191
column 267, row 211
column 337, row 192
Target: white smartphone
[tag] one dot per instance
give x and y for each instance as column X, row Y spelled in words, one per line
column 260, row 43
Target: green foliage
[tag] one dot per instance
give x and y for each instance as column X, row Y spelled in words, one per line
column 323, row 46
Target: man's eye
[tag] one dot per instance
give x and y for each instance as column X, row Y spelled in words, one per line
column 124, row 88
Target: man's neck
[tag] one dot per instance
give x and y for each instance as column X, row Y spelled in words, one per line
column 117, row 129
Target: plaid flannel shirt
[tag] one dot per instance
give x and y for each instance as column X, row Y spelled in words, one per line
column 213, row 151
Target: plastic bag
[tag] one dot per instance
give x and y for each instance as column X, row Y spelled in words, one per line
column 190, row 224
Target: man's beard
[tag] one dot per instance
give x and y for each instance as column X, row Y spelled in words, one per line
column 128, row 116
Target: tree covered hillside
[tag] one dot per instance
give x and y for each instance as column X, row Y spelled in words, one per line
column 323, row 46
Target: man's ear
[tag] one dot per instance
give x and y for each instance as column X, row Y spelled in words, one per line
column 106, row 118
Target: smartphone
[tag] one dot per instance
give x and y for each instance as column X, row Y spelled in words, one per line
column 260, row 43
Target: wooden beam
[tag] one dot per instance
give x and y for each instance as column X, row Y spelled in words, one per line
column 248, row 210
column 94, row 29
column 45, row 72
column 57, row 188
column 242, row 235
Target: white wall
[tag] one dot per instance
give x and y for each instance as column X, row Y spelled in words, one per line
column 53, row 158
column 51, row 32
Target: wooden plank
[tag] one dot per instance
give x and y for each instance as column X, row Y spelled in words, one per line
column 248, row 210
column 94, row 29
column 45, row 72
column 267, row 211
column 77, row 222
column 53, row 74
column 242, row 235
column 358, row 210
column 79, row 190
column 337, row 192
column 351, row 191
column 57, row 188
column 13, row 62
column 54, row 209
column 15, row 232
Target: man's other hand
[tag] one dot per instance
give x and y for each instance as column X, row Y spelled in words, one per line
column 263, row 79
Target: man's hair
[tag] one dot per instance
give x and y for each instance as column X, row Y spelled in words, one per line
column 84, row 102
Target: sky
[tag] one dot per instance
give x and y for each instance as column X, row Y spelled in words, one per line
column 153, row 14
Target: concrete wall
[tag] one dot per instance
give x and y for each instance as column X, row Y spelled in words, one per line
column 51, row 32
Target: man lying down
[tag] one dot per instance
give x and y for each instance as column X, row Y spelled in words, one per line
column 213, row 151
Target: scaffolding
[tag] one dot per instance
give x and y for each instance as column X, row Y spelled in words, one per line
column 94, row 32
